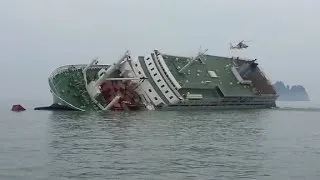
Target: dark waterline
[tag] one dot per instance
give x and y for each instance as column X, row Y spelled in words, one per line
column 247, row 144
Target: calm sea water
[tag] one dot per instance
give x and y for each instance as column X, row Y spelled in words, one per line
column 248, row 144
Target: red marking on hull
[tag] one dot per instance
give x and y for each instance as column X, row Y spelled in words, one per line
column 111, row 89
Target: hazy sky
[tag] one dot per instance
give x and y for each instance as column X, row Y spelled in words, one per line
column 37, row 36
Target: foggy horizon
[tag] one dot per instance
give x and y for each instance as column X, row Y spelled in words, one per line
column 39, row 36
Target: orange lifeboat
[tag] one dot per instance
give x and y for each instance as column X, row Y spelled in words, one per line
column 17, row 108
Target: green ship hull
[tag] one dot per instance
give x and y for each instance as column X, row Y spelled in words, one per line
column 163, row 82
column 67, row 87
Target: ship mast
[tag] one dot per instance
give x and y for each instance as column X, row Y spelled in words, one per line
column 200, row 56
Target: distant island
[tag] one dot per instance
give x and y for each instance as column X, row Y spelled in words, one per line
column 295, row 93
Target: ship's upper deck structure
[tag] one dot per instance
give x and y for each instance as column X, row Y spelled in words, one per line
column 218, row 74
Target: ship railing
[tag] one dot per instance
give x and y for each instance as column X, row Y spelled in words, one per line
column 67, row 68
column 240, row 58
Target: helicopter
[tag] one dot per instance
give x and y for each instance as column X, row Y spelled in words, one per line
column 240, row 45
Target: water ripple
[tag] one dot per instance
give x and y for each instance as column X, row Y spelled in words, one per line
column 260, row 144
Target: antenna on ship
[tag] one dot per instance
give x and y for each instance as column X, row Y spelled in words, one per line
column 200, row 49
column 96, row 60
column 128, row 54
column 201, row 55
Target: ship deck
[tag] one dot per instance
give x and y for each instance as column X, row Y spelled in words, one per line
column 196, row 75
